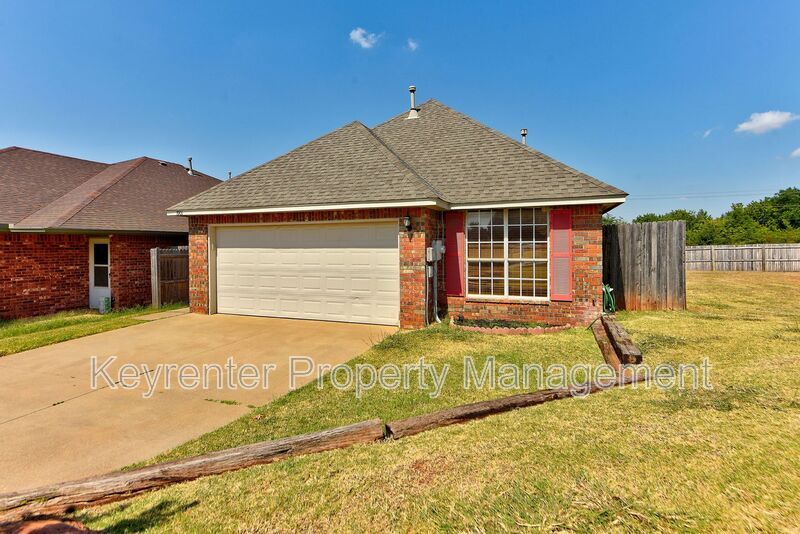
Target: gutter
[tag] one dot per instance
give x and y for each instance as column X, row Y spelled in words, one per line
column 86, row 231
column 433, row 203
column 537, row 203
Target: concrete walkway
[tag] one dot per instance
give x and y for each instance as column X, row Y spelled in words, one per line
column 54, row 427
column 162, row 315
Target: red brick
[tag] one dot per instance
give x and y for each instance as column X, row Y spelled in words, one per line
column 43, row 273
column 427, row 226
column 48, row 273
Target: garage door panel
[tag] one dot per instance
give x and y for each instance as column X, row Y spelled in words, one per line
column 339, row 272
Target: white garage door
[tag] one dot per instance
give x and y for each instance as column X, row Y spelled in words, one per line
column 332, row 272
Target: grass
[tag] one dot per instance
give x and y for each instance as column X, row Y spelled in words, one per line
column 25, row 334
column 623, row 460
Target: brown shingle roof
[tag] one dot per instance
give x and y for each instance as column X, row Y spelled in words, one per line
column 349, row 164
column 30, row 180
column 442, row 155
column 472, row 163
column 48, row 191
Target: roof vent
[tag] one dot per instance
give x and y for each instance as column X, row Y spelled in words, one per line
column 162, row 163
column 190, row 170
column 524, row 133
column 413, row 113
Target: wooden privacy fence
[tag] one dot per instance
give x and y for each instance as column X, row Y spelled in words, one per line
column 764, row 257
column 169, row 275
column 644, row 263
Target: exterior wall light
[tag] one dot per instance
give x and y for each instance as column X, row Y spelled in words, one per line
column 407, row 223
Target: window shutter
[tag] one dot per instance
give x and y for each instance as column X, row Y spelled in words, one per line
column 561, row 254
column 454, row 253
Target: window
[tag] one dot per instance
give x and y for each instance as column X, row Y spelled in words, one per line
column 101, row 264
column 507, row 252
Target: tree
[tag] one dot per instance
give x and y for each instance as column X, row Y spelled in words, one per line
column 774, row 219
column 692, row 218
column 779, row 212
column 610, row 220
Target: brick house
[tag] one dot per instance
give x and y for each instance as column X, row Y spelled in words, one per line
column 368, row 224
column 74, row 231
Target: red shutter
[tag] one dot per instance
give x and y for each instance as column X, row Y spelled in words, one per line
column 561, row 254
column 454, row 253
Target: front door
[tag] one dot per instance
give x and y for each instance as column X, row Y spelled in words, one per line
column 99, row 271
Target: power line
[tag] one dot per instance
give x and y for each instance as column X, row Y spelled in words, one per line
column 709, row 194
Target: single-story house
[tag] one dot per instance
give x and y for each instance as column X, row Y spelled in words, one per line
column 426, row 213
column 73, row 232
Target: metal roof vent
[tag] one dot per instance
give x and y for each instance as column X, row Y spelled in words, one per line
column 524, row 133
column 413, row 113
column 162, row 163
column 190, row 170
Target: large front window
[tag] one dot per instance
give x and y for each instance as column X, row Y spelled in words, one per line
column 507, row 252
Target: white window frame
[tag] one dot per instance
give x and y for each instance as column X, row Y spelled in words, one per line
column 505, row 295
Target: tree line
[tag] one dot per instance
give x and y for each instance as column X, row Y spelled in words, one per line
column 774, row 219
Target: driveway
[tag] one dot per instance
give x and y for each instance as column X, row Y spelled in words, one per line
column 54, row 427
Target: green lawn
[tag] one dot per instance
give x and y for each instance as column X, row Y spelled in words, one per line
column 25, row 334
column 623, row 460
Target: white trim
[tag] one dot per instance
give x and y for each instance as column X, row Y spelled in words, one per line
column 319, row 207
column 404, row 204
column 14, row 229
column 538, row 203
column 294, row 223
column 99, row 289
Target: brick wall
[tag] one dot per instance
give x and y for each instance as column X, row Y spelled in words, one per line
column 42, row 273
column 130, row 266
column 48, row 273
column 427, row 225
column 587, row 282
column 412, row 251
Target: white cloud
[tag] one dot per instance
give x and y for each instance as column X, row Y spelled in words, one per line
column 363, row 38
column 412, row 44
column 708, row 132
column 795, row 153
column 760, row 123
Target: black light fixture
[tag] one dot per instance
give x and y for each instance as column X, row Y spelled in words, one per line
column 407, row 223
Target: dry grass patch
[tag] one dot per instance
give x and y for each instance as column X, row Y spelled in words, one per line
column 25, row 334
column 623, row 460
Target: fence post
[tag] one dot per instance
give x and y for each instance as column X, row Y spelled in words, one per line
column 763, row 258
column 155, row 279
column 713, row 267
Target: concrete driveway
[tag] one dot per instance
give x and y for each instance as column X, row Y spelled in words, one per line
column 54, row 427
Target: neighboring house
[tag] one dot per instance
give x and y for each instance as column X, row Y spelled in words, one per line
column 74, row 231
column 337, row 229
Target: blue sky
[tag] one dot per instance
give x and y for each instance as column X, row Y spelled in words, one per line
column 644, row 95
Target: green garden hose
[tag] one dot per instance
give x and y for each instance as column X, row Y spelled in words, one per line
column 609, row 306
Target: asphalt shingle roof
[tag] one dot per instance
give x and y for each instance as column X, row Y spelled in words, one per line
column 472, row 163
column 39, row 190
column 348, row 165
column 442, row 155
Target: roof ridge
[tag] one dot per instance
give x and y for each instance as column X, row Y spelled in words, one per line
column 400, row 162
column 429, row 101
column 71, row 207
column 53, row 154
column 527, row 148
column 112, row 181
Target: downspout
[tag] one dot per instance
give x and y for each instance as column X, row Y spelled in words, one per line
column 438, row 256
